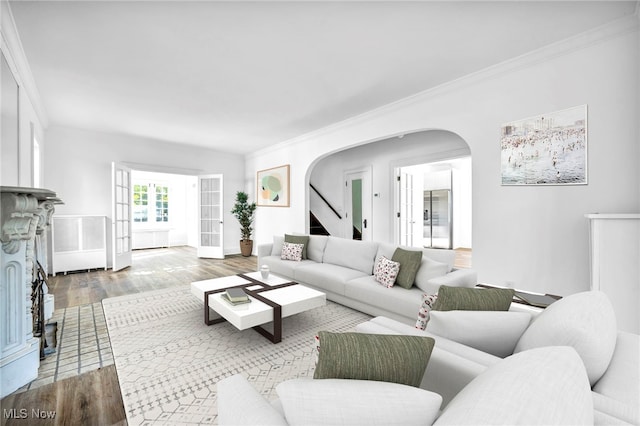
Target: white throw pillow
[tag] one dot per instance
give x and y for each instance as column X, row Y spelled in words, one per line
column 585, row 321
column 424, row 313
column 494, row 332
column 544, row 386
column 276, row 249
column 430, row 268
column 356, row 402
column 386, row 271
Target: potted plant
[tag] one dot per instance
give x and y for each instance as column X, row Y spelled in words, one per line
column 243, row 211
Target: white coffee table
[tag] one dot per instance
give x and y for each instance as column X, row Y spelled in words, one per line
column 271, row 300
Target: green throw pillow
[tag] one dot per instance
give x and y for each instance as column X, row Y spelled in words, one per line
column 410, row 261
column 298, row 239
column 473, row 299
column 386, row 358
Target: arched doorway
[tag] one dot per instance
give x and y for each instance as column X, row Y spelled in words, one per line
column 329, row 199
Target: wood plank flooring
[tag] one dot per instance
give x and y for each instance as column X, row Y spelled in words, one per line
column 152, row 269
column 91, row 399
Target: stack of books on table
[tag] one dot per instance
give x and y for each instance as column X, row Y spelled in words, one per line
column 235, row 296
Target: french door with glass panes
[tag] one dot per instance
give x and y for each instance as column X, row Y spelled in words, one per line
column 210, row 217
column 121, row 216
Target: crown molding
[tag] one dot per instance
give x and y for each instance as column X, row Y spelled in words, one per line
column 12, row 47
column 602, row 33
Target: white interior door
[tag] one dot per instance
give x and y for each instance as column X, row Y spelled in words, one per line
column 418, row 215
column 210, row 217
column 405, row 209
column 121, row 216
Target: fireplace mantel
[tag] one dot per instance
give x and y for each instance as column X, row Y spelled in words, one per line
column 25, row 214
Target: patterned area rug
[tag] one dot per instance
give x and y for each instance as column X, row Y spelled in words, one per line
column 169, row 362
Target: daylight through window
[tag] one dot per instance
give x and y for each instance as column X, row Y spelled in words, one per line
column 150, row 203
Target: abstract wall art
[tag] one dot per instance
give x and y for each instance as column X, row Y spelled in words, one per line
column 273, row 187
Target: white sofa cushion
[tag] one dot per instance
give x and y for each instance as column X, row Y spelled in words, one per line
column 397, row 299
column 621, row 381
column 315, row 250
column 354, row 254
column 240, row 404
column 386, row 250
column 494, row 332
column 585, row 321
column 327, row 276
column 284, row 268
column 609, row 411
column 356, row 402
column 429, row 269
column 439, row 255
column 517, row 391
column 276, row 249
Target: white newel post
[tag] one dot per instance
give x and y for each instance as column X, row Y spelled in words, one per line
column 615, row 264
column 24, row 214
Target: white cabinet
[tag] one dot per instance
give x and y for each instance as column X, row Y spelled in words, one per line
column 615, row 264
column 78, row 243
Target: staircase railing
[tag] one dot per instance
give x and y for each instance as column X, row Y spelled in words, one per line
column 325, row 201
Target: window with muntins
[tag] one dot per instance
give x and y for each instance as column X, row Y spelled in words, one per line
column 162, row 204
column 150, row 203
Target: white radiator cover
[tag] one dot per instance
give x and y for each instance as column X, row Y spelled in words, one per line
column 78, row 243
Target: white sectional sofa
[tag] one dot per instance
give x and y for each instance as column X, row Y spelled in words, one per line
column 343, row 269
column 584, row 321
column 566, row 364
column 493, row 397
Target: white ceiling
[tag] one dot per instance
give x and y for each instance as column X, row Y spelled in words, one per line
column 239, row 76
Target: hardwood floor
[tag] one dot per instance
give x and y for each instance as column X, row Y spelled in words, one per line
column 94, row 398
column 151, row 270
column 91, row 399
column 463, row 258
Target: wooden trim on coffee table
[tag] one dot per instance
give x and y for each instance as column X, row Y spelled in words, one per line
column 276, row 336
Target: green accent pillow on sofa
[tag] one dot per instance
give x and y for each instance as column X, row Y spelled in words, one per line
column 298, row 239
column 410, row 261
column 387, row 358
column 473, row 299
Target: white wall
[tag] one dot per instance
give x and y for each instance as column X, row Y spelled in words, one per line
column 17, row 168
column 78, row 167
column 534, row 236
column 462, row 203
